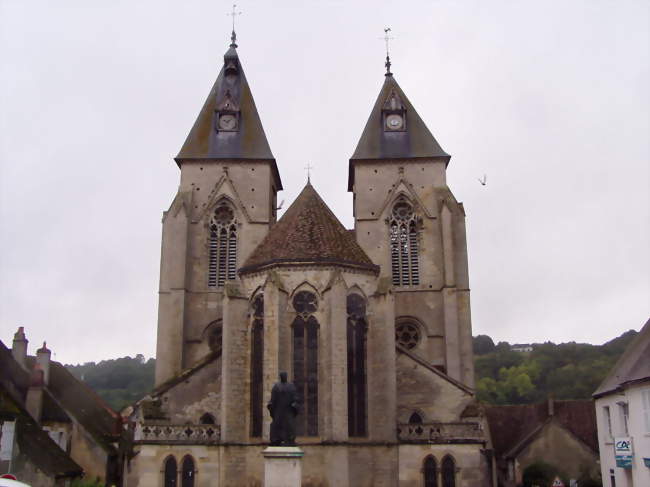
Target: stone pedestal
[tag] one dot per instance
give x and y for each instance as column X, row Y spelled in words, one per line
column 282, row 466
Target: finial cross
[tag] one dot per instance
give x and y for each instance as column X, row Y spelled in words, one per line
column 308, row 168
column 233, row 14
column 386, row 39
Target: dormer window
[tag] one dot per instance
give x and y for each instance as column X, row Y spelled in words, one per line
column 394, row 113
column 227, row 114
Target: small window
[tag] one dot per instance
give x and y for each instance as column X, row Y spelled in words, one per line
column 188, row 472
column 170, row 472
column 624, row 415
column 207, row 418
column 607, row 415
column 645, row 397
column 415, row 419
column 430, row 472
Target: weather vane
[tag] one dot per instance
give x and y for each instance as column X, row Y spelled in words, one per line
column 308, row 168
column 387, row 38
column 233, row 14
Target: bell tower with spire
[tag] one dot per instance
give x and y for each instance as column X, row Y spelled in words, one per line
column 409, row 223
column 228, row 185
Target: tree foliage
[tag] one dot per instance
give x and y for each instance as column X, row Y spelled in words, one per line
column 119, row 382
column 565, row 371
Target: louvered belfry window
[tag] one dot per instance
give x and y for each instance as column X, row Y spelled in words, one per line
column 223, row 246
column 404, row 249
column 305, row 362
column 257, row 366
column 356, row 338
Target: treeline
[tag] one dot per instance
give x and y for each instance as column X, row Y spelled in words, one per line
column 503, row 376
column 119, row 382
column 565, row 371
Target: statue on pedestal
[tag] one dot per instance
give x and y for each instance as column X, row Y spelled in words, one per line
column 284, row 409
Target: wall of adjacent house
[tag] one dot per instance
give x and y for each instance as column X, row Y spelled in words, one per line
column 557, row 446
column 88, row 453
column 638, row 429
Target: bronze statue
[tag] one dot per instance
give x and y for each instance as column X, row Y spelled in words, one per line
column 284, row 409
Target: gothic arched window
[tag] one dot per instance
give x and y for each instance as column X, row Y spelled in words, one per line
column 405, row 261
column 430, row 472
column 170, row 472
column 415, row 418
column 222, row 264
column 207, row 418
column 257, row 367
column 356, row 338
column 448, row 472
column 305, row 361
column 187, row 472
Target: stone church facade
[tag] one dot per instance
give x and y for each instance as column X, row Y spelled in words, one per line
column 371, row 324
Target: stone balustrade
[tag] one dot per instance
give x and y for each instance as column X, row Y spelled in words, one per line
column 194, row 434
column 461, row 432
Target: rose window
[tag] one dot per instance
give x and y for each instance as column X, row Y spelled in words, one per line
column 407, row 335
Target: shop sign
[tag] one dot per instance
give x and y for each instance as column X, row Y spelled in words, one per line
column 623, row 451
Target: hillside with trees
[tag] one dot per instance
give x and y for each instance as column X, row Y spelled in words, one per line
column 503, row 376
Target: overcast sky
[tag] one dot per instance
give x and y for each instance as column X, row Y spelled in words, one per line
column 549, row 99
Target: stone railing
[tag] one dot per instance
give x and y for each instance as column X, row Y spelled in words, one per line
column 194, row 434
column 440, row 433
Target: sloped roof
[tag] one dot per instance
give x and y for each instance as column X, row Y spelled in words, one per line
column 308, row 233
column 632, row 366
column 249, row 141
column 416, row 141
column 513, row 426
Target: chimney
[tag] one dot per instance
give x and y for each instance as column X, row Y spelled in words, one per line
column 34, row 399
column 551, row 405
column 43, row 359
column 19, row 346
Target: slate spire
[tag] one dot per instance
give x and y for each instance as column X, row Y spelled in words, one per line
column 394, row 130
column 228, row 126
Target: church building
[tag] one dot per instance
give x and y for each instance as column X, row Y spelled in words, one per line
column 372, row 324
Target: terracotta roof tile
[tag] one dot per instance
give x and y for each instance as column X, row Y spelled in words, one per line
column 308, row 233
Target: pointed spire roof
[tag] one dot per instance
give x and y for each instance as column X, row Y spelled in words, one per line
column 415, row 141
column 230, row 93
column 308, row 233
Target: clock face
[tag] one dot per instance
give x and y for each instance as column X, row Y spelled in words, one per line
column 394, row 122
column 227, row 122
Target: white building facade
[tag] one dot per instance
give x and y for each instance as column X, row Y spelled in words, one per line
column 623, row 417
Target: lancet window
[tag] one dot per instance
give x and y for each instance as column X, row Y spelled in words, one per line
column 448, row 472
column 257, row 367
column 356, row 338
column 305, row 361
column 222, row 264
column 404, row 247
column 187, row 472
column 430, row 470
column 170, row 472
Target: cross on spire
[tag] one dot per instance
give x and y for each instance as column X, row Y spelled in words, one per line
column 386, row 39
column 233, row 14
column 308, row 168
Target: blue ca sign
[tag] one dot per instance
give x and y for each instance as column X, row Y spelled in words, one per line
column 623, row 452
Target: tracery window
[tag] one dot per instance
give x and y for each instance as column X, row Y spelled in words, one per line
column 430, row 472
column 356, row 340
column 257, row 367
column 407, row 334
column 187, row 473
column 415, row 418
column 404, row 250
column 170, row 472
column 305, row 361
column 222, row 264
column 448, row 472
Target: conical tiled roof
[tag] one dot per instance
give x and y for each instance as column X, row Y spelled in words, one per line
column 308, row 233
column 230, row 92
column 415, row 141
